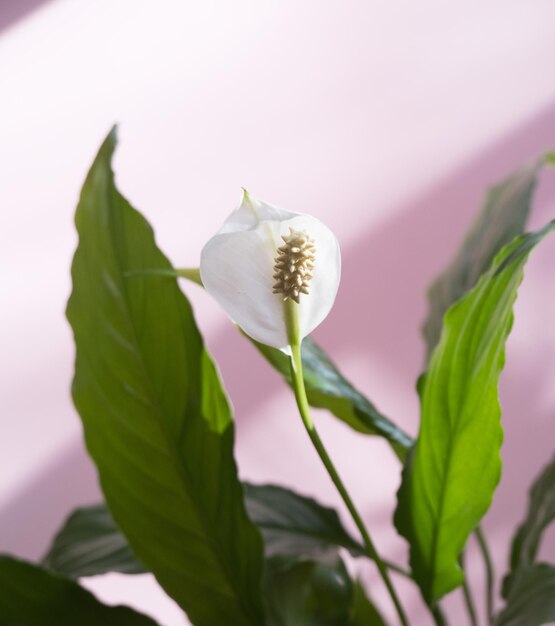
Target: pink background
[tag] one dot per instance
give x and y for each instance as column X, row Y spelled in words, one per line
column 388, row 120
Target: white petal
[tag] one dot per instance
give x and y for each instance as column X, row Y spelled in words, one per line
column 237, row 270
column 251, row 212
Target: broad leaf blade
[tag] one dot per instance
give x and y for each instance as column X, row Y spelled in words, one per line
column 308, row 592
column 31, row 596
column 327, row 388
column 296, row 525
column 541, row 513
column 456, row 465
column 90, row 544
column 156, row 419
column 293, row 526
column 502, row 218
column 531, row 601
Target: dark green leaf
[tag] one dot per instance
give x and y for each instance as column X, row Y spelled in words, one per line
column 363, row 612
column 531, row 601
column 456, row 465
column 308, row 593
column 296, row 525
column 327, row 389
column 541, row 513
column 31, row 596
column 156, row 419
column 502, row 218
column 89, row 544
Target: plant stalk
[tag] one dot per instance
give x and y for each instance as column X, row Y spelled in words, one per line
column 439, row 617
column 304, row 410
column 490, row 575
column 468, row 600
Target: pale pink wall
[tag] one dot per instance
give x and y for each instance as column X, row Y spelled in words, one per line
column 387, row 120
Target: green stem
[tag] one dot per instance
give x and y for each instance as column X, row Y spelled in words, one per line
column 304, row 410
column 490, row 575
column 190, row 273
column 397, row 569
column 468, row 600
column 439, row 617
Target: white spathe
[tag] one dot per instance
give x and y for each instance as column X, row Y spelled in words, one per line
column 237, row 267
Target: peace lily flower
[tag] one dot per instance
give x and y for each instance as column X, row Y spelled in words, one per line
column 267, row 265
column 276, row 274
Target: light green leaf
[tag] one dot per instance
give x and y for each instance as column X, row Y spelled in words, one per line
column 541, row 513
column 449, row 484
column 363, row 612
column 307, row 592
column 90, row 544
column 156, row 419
column 502, row 218
column 296, row 525
column 31, row 596
column 327, row 389
column 531, row 601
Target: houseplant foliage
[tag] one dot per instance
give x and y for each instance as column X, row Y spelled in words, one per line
column 159, row 427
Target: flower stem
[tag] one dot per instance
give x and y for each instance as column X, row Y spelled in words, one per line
column 191, row 273
column 302, row 403
column 490, row 576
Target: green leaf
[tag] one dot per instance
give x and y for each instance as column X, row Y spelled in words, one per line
column 531, row 601
column 363, row 612
column 502, row 218
column 316, row 592
column 31, row 596
column 296, row 525
column 449, row 484
column 327, row 389
column 90, row 544
column 156, row 419
column 293, row 526
column 541, row 513
column 307, row 592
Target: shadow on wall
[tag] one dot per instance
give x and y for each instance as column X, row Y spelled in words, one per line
column 12, row 12
column 30, row 520
column 379, row 311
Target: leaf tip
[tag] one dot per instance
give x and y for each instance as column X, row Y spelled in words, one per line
column 110, row 142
